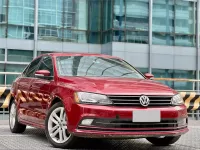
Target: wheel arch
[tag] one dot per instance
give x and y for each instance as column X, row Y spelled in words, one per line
column 54, row 101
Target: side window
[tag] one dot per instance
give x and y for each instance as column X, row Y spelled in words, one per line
column 32, row 68
column 25, row 71
column 47, row 64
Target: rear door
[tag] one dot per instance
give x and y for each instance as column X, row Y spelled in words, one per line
column 40, row 91
column 23, row 90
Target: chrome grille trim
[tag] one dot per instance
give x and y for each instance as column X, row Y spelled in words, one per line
column 128, row 100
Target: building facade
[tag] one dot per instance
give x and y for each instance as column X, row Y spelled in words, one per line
column 157, row 36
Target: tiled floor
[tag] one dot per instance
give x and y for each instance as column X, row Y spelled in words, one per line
column 36, row 139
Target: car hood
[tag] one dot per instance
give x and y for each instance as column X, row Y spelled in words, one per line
column 116, row 86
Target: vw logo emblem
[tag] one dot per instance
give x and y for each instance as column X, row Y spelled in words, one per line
column 144, row 101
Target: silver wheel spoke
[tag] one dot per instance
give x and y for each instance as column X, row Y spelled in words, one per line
column 64, row 118
column 61, row 114
column 53, row 120
column 64, row 134
column 12, row 116
column 11, row 122
column 53, row 129
column 60, row 135
column 55, row 133
column 56, row 117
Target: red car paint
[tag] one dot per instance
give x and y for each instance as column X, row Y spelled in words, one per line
column 34, row 96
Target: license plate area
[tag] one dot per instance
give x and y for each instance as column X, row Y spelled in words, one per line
column 146, row 116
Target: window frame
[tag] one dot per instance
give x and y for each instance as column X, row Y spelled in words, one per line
column 46, row 78
column 24, row 74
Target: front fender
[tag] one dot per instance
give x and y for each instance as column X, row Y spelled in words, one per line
column 64, row 94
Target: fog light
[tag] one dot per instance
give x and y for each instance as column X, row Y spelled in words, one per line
column 87, row 122
column 182, row 122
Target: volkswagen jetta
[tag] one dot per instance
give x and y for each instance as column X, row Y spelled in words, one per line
column 95, row 96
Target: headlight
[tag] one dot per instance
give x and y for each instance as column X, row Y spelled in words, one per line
column 92, row 98
column 177, row 100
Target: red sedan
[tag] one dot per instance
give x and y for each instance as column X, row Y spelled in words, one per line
column 96, row 96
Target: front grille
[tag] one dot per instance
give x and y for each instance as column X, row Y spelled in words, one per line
column 124, row 100
column 128, row 125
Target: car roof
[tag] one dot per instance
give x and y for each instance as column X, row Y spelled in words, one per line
column 80, row 54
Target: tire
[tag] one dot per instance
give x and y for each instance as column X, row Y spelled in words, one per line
column 166, row 141
column 15, row 126
column 54, row 133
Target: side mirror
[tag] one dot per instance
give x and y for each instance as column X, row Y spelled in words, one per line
column 42, row 73
column 149, row 76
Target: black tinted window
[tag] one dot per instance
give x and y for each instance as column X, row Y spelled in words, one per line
column 46, row 64
column 95, row 67
column 32, row 68
column 25, row 71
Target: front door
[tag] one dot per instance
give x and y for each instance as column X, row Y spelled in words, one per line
column 23, row 90
column 40, row 92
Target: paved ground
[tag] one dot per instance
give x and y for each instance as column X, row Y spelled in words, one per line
column 35, row 139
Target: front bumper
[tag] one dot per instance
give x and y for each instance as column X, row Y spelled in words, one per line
column 128, row 135
column 116, row 122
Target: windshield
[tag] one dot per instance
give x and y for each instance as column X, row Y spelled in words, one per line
column 92, row 66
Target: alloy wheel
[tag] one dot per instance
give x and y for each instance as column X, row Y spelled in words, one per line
column 12, row 116
column 57, row 126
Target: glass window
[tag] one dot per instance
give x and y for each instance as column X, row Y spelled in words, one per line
column 95, row 15
column 185, row 13
column 167, row 73
column 185, row 40
column 49, row 34
column 143, row 70
column 163, row 22
column 33, row 67
column 95, row 66
column 20, row 55
column 95, row 37
column 174, row 22
column 13, row 68
column 21, row 19
column 75, row 36
column 2, row 77
column 46, row 64
column 79, row 13
column 163, row 16
column 164, row 73
column 119, row 36
column 107, row 14
column 185, row 24
column 137, row 21
column 119, row 14
column 3, row 19
column 2, row 54
column 107, row 36
column 137, row 15
column 58, row 17
column 50, row 16
column 163, row 38
column 137, row 37
column 3, row 11
column 186, row 74
column 2, row 31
